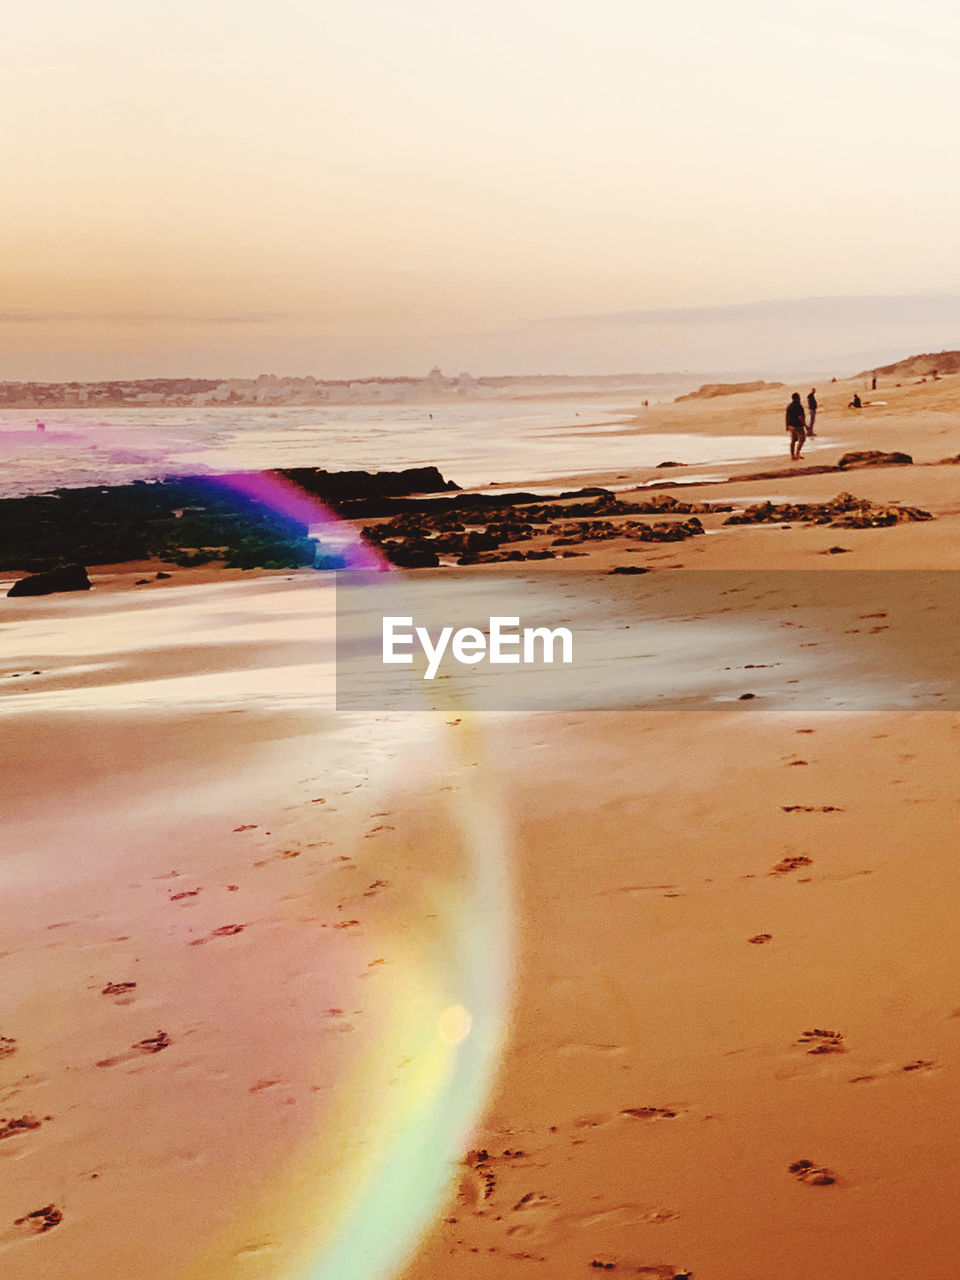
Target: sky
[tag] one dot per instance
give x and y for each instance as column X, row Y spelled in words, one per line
column 353, row 187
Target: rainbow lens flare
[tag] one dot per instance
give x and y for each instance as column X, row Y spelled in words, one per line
column 258, row 951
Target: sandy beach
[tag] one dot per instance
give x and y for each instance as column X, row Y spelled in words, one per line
column 743, row 968
column 294, row 992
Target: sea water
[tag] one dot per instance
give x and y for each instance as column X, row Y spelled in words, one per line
column 474, row 443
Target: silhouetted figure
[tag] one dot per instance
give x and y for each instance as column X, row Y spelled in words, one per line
column 796, row 426
column 811, row 410
column 41, row 426
column 873, row 386
column 856, row 402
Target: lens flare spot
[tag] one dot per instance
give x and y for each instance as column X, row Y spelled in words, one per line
column 454, row 1025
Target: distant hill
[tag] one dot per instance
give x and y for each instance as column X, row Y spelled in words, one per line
column 919, row 366
column 711, row 389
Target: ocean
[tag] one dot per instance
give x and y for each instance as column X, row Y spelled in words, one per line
column 475, row 443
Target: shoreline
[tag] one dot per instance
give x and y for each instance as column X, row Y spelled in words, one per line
column 730, row 943
column 925, row 434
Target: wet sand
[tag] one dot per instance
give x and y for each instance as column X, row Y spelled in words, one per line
column 234, row 928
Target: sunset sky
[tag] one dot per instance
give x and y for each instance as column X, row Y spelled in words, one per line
column 349, row 187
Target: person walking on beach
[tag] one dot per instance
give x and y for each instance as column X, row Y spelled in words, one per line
column 812, row 410
column 796, row 426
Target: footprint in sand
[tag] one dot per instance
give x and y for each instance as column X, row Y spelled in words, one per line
column 576, row 1047
column 640, row 1270
column 650, row 1113
column 278, row 857
column 35, row 1223
column 225, row 931
column 8, row 1046
column 153, row 1044
column 819, row 1041
column 535, row 1212
column 479, row 1181
column 258, row 1249
column 117, row 988
column 624, row 1215
column 759, row 939
column 813, row 1175
column 920, row 1066
column 340, row 1025
column 22, row 1124
column 592, row 1122
column 786, row 865
column 811, row 808
column 668, row 890
column 528, row 1216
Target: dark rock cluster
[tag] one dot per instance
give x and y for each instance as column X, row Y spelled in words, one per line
column 842, row 512
column 484, row 531
column 340, row 488
column 69, row 577
column 874, row 458
column 186, row 520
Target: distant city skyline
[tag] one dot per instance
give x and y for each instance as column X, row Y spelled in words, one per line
column 228, row 187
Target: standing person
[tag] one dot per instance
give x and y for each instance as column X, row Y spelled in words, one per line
column 812, row 407
column 796, row 426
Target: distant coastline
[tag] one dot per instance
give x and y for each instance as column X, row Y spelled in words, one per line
column 272, row 389
column 269, row 389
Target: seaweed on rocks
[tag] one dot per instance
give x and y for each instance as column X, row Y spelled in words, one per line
column 185, row 520
column 842, row 512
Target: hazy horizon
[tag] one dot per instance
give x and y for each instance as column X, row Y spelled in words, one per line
column 352, row 189
column 763, row 339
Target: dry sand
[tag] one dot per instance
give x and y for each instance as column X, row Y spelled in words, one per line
column 733, row 944
column 662, row 1078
